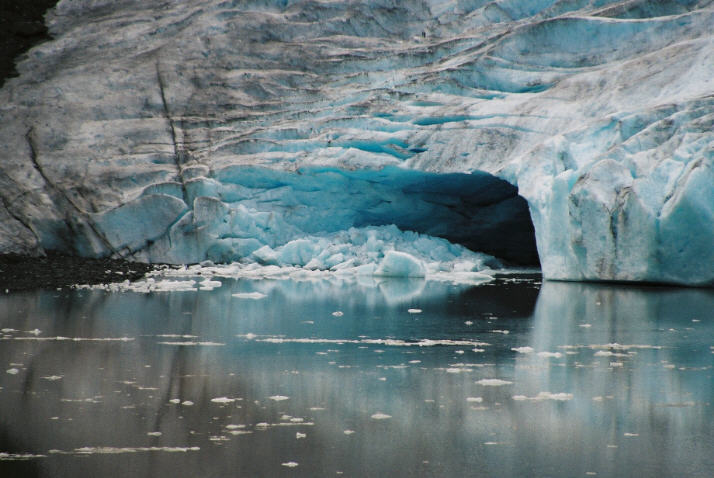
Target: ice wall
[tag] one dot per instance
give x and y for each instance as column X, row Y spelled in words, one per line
column 200, row 130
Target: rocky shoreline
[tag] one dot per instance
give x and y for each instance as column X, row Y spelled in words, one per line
column 19, row 273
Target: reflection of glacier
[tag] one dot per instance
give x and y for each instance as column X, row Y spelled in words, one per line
column 639, row 366
column 653, row 410
column 211, row 129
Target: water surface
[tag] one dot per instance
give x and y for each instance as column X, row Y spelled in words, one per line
column 339, row 378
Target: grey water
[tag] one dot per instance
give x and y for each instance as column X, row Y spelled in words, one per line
column 341, row 378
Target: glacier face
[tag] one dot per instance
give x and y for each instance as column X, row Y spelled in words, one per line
column 184, row 131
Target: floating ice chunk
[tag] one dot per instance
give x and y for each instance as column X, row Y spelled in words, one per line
column 299, row 435
column 493, row 382
column 457, row 370
column 387, row 342
column 193, row 344
column 12, row 371
column 187, row 403
column 380, row 416
column 523, row 350
column 154, row 434
column 108, row 450
column 474, row 399
column 550, row 354
column 608, row 353
column 338, row 313
column 223, row 400
column 175, row 401
column 414, row 311
column 249, row 295
column 278, row 398
column 290, row 464
column 400, row 264
column 52, row 378
column 208, row 284
column 545, row 396
column 348, row 432
column 4, row 456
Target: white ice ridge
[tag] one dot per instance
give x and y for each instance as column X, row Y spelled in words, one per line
column 226, row 131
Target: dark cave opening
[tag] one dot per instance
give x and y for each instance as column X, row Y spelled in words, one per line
column 477, row 210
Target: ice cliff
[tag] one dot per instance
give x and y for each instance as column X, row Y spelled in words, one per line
column 280, row 132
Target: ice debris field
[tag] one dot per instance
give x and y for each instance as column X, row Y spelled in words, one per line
column 326, row 134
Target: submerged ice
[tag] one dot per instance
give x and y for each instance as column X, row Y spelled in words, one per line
column 290, row 133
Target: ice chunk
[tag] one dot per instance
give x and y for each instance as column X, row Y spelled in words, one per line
column 380, row 416
column 249, row 295
column 278, row 398
column 223, row 400
column 545, row 396
column 298, row 252
column 493, row 382
column 400, row 264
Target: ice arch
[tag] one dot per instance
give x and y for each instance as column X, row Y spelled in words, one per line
column 239, row 209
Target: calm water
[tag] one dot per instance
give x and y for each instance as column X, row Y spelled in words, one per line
column 340, row 379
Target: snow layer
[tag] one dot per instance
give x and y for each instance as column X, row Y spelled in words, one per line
column 259, row 130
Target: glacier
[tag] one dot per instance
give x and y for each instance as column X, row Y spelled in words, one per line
column 574, row 134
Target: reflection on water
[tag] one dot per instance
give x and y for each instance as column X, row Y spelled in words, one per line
column 328, row 378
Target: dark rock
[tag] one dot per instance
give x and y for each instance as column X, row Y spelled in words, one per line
column 18, row 272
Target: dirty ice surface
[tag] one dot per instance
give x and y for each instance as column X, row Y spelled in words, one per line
column 325, row 376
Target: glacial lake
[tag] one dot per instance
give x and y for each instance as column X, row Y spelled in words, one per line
column 511, row 378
